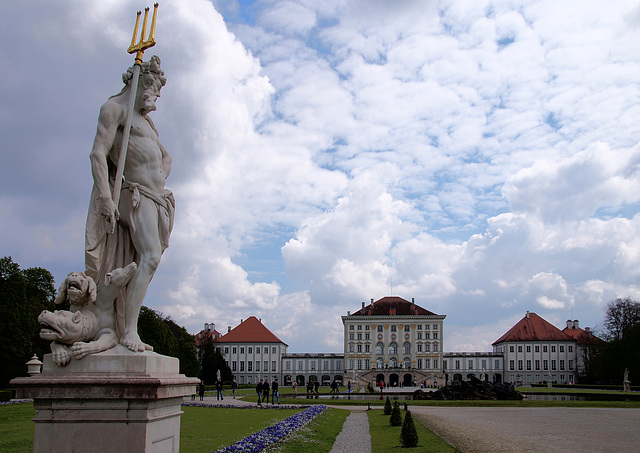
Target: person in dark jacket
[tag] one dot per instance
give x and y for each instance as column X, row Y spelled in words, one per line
column 259, row 391
column 316, row 385
column 265, row 390
column 219, row 389
column 274, row 392
column 201, row 390
column 234, row 387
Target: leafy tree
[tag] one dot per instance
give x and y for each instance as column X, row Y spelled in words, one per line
column 408, row 433
column 396, row 416
column 23, row 295
column 212, row 361
column 620, row 315
column 168, row 338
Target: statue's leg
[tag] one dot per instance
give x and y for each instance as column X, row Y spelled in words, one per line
column 146, row 240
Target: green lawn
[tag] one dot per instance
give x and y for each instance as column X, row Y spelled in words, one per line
column 385, row 438
column 316, row 437
column 16, row 428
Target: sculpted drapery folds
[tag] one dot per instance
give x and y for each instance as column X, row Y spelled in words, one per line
column 138, row 228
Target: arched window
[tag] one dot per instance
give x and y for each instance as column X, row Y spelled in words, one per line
column 393, row 363
column 407, row 363
column 380, row 348
column 379, row 363
column 406, row 348
column 393, row 348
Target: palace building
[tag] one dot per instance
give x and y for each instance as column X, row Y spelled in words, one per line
column 395, row 341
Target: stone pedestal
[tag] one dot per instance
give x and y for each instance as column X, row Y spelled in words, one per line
column 113, row 401
column 627, row 386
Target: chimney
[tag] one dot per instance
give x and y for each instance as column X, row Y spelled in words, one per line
column 576, row 324
column 228, row 329
column 260, row 320
column 362, row 304
column 527, row 315
column 206, row 327
column 587, row 329
column 569, row 324
column 240, row 320
column 413, row 301
column 372, row 301
column 212, row 327
column 348, row 313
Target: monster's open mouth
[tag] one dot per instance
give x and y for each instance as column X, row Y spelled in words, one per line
column 49, row 330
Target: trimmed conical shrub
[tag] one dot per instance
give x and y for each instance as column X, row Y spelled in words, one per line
column 387, row 407
column 408, row 434
column 396, row 416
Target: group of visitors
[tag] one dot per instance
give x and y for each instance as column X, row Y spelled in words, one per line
column 263, row 389
column 219, row 388
column 312, row 385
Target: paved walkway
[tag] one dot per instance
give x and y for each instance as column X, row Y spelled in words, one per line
column 354, row 437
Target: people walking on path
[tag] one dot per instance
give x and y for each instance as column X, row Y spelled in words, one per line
column 234, row 387
column 219, row 390
column 265, row 391
column 316, row 386
column 295, row 387
column 259, row 391
column 274, row 392
column 201, row 390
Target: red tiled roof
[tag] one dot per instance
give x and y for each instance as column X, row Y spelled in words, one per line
column 582, row 337
column 533, row 328
column 251, row 330
column 202, row 336
column 392, row 305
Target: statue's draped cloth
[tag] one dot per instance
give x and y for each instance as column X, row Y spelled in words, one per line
column 106, row 252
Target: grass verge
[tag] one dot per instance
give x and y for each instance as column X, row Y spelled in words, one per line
column 204, row 429
column 317, row 437
column 385, row 438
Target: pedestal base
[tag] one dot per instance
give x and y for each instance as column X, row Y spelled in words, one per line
column 114, row 401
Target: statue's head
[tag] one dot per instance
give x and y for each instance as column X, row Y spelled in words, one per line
column 78, row 289
column 152, row 79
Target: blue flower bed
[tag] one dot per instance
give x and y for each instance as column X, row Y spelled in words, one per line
column 15, row 402
column 262, row 439
column 231, row 406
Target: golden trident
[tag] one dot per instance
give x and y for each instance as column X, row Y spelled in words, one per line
column 143, row 44
column 139, row 49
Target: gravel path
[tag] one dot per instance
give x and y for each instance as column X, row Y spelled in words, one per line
column 354, row 437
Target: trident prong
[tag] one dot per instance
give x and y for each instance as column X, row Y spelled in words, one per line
column 143, row 44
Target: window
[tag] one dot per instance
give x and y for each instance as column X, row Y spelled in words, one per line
column 300, row 366
column 233, row 350
column 367, row 364
column 351, row 349
column 544, row 349
column 241, row 350
column 570, row 363
column 570, row 348
column 427, row 335
column 338, row 365
column 537, row 348
column 233, row 365
column 273, row 365
column 257, row 366
column 457, row 364
column 359, row 336
column 471, row 364
column 249, row 366
column 367, row 348
column 419, row 349
column 359, row 348
column 435, row 327
column 528, row 348
column 379, row 348
column 367, row 327
column 427, row 363
column 241, row 365
column 250, row 351
column 553, row 348
column 561, row 365
column 419, row 335
column 435, row 335
column 444, row 364
column 519, row 348
column 512, row 349
column 512, row 365
column 407, row 328
column 379, row 328
column 359, row 327
column 497, row 364
column 419, row 326
column 520, row 365
column 484, row 363
column 273, row 350
column 359, row 364
column 406, row 348
column 287, row 365
column 528, row 365
column 561, row 348
column 352, row 327
column 351, row 362
column 313, row 365
column 435, row 363
column 537, row 362
column 427, row 348
column 266, row 366
column 435, row 347
column 553, row 365
column 325, row 365
column 226, row 350
column 393, row 348
column 367, row 336
column 419, row 364
column 545, row 365
column 257, row 349
column 393, row 328
column 351, row 337
column 426, row 327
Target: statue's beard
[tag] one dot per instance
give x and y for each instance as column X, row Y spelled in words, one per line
column 149, row 103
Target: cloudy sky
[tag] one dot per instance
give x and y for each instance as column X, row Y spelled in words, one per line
column 482, row 157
